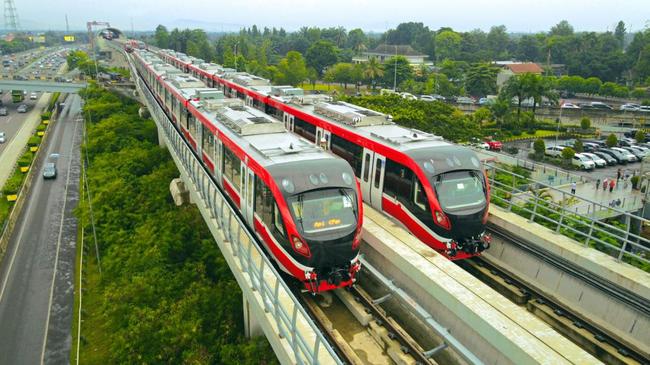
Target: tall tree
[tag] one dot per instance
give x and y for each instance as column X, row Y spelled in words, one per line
column 372, row 71
column 498, row 42
column 481, row 79
column 447, row 45
column 562, row 28
column 397, row 70
column 619, row 33
column 161, row 36
column 292, row 69
column 321, row 54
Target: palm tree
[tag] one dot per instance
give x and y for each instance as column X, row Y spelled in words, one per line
column 373, row 70
column 515, row 87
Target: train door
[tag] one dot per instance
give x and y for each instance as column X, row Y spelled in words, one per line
column 288, row 121
column 372, row 177
column 249, row 100
column 376, row 191
column 323, row 138
column 218, row 168
column 247, row 193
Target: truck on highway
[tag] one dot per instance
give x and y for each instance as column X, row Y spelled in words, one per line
column 17, row 96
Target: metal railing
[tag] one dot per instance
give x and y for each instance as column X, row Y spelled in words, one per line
column 533, row 200
column 550, row 174
column 291, row 320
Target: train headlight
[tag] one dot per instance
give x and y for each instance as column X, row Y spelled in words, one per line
column 441, row 219
column 300, row 247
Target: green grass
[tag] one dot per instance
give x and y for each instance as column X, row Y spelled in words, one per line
column 327, row 88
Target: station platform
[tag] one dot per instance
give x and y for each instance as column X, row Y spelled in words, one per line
column 495, row 329
column 599, row 308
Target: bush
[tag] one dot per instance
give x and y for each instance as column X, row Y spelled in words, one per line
column 611, row 141
column 41, row 128
column 26, row 159
column 568, row 153
column 635, row 181
column 539, row 146
column 34, row 141
column 639, row 136
column 46, row 116
column 577, row 146
column 12, row 186
column 585, row 123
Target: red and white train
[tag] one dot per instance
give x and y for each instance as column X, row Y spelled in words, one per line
column 436, row 189
column 302, row 202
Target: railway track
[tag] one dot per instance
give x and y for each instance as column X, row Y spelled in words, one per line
column 567, row 321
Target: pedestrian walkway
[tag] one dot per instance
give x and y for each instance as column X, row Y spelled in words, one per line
column 16, row 145
column 622, row 197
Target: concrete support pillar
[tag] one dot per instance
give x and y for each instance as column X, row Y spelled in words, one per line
column 161, row 137
column 252, row 326
column 180, row 194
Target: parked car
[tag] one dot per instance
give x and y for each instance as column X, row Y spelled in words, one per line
column 554, row 151
column 620, row 157
column 595, row 158
column 630, row 107
column 644, row 108
column 583, row 162
column 49, row 171
column 33, row 96
column 3, row 138
column 427, row 98
column 600, row 105
column 22, row 108
column 482, row 101
column 629, row 155
column 3, row 111
column 569, row 106
column 464, row 100
column 408, row 96
column 637, row 153
column 495, row 145
column 483, row 145
column 610, row 160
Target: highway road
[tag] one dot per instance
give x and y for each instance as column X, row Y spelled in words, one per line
column 11, row 123
column 37, row 274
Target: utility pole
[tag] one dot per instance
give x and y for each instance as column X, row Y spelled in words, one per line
column 11, row 16
column 395, row 73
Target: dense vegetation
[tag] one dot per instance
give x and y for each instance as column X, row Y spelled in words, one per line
column 614, row 63
column 165, row 294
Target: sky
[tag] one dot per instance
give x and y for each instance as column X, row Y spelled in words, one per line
column 369, row 15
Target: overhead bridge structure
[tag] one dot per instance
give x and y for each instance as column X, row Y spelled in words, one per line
column 40, row 85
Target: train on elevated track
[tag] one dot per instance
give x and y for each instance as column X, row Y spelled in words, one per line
column 436, row 189
column 303, row 203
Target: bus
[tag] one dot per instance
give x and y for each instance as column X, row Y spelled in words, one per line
column 17, row 96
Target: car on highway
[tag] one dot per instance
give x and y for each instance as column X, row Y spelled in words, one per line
column 600, row 162
column 630, row 107
column 49, row 171
column 33, row 96
column 22, row 108
column 3, row 138
column 569, row 106
column 3, row 111
column 583, row 162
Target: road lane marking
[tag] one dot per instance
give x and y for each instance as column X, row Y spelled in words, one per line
column 58, row 244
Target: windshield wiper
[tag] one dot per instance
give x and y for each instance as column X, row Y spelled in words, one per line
column 302, row 212
column 349, row 197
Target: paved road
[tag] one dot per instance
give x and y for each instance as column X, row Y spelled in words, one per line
column 37, row 275
column 10, row 124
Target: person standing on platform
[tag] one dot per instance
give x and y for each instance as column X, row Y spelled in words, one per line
column 612, row 183
column 618, row 174
column 605, row 184
column 597, row 184
column 573, row 188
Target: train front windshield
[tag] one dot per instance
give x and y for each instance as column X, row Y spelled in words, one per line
column 460, row 190
column 325, row 211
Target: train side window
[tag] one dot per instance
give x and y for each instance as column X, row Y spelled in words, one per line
column 189, row 121
column 306, row 130
column 378, row 167
column 398, row 181
column 277, row 220
column 419, row 196
column 263, row 202
column 366, row 172
column 207, row 141
column 232, row 166
column 348, row 151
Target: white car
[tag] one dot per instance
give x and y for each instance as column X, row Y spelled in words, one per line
column 583, row 162
column 630, row 107
column 483, row 145
column 569, row 106
column 599, row 161
column 427, row 98
column 3, row 138
column 554, row 151
column 408, row 96
column 645, row 108
column 33, row 96
column 628, row 155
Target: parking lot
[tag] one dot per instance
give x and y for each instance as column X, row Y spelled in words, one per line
column 598, row 173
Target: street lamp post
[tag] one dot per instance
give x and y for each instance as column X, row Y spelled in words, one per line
column 557, row 132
